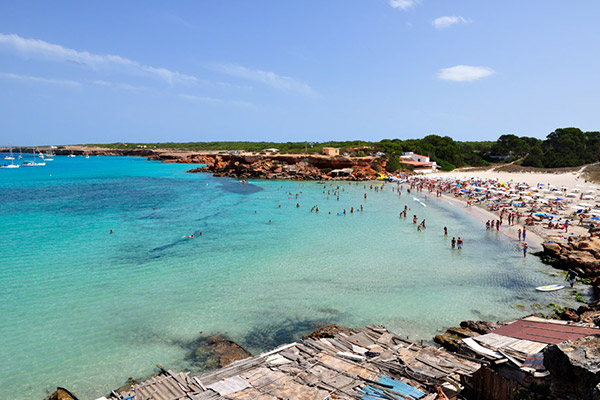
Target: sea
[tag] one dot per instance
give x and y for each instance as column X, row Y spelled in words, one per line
column 100, row 279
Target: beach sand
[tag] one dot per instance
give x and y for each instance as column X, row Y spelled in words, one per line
column 537, row 234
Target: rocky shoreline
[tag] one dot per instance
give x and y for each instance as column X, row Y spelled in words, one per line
column 283, row 166
column 243, row 165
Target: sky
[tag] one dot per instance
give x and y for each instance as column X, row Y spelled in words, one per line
column 148, row 71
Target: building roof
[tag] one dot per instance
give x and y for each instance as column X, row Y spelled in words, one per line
column 362, row 364
column 419, row 155
column 544, row 332
column 416, row 163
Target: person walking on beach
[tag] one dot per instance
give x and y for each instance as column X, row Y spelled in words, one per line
column 453, row 242
column 571, row 276
column 525, row 247
column 459, row 243
column 524, row 233
column 519, row 234
column 566, row 226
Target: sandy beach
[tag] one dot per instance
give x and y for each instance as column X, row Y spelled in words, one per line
column 573, row 183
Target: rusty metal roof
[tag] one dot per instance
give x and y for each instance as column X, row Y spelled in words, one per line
column 545, row 332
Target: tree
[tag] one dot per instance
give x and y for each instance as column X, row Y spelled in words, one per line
column 393, row 164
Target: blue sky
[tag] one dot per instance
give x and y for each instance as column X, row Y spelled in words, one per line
column 143, row 71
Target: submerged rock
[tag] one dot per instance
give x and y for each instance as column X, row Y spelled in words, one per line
column 61, row 394
column 575, row 368
column 328, row 331
column 217, row 351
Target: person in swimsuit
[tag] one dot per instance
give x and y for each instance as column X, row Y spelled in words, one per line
column 459, row 243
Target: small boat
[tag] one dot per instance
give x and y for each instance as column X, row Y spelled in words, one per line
column 10, row 166
column 34, row 163
column 550, row 288
column 11, row 157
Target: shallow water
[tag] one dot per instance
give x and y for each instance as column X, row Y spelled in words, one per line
column 85, row 309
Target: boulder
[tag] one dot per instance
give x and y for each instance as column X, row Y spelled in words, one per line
column 217, row 351
column 61, row 394
column 328, row 331
column 574, row 368
column 481, row 327
column 552, row 249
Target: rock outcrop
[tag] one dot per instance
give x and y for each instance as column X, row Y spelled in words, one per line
column 217, row 351
column 451, row 340
column 285, row 166
column 580, row 253
column 575, row 369
column 61, row 394
column 328, row 331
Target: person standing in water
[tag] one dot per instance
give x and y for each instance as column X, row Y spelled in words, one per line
column 571, row 276
column 459, row 243
column 445, row 231
column 453, row 242
column 525, row 247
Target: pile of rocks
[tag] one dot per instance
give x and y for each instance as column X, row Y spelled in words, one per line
column 580, row 253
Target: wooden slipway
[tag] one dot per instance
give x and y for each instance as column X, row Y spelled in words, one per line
column 364, row 363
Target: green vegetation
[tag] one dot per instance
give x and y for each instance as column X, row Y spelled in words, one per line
column 393, row 164
column 565, row 147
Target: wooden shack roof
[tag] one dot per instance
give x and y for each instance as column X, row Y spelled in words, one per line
column 545, row 331
column 364, row 363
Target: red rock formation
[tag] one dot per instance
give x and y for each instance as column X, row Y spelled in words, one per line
column 289, row 166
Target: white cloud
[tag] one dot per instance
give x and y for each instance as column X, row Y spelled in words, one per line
column 265, row 77
column 37, row 79
column 45, row 50
column 402, row 4
column 447, row 21
column 215, row 100
column 119, row 85
column 464, row 73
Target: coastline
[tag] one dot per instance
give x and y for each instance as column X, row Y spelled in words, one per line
column 533, row 239
column 477, row 212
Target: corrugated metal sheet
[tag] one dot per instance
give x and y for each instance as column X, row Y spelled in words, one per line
column 544, row 332
column 372, row 393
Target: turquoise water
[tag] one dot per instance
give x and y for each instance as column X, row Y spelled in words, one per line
column 85, row 309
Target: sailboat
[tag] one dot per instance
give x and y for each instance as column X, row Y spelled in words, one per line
column 49, row 156
column 11, row 157
column 11, row 165
column 33, row 163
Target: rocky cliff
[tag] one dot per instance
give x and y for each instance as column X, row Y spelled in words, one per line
column 575, row 369
column 580, row 253
column 287, row 166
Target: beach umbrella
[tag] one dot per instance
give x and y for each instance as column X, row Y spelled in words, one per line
column 596, row 218
column 559, row 199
